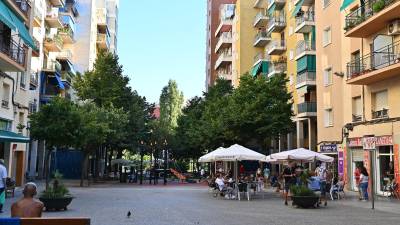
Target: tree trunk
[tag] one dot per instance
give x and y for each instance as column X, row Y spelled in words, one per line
column 47, row 166
column 84, row 167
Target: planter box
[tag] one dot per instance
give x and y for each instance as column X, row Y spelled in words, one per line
column 56, row 204
column 305, row 201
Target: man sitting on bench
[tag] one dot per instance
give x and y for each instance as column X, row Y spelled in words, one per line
column 27, row 206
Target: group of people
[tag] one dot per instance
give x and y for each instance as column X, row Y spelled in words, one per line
column 362, row 178
column 27, row 206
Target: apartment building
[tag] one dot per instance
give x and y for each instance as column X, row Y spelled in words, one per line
column 16, row 48
column 358, row 113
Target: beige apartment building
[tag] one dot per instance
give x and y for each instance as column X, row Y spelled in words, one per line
column 358, row 87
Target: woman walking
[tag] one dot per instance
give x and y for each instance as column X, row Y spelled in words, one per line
column 364, row 183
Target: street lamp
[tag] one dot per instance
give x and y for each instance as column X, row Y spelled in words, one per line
column 165, row 161
column 141, row 162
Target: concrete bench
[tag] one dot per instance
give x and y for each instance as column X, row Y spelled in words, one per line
column 45, row 221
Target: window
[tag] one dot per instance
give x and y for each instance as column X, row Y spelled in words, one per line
column 6, row 96
column 357, row 109
column 328, row 117
column 326, row 3
column 5, row 125
column 380, row 105
column 22, row 82
column 327, row 36
column 328, row 77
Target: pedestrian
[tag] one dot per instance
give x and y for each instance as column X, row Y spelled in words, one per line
column 27, row 206
column 267, row 173
column 289, row 178
column 357, row 174
column 321, row 174
column 202, row 173
column 3, row 184
column 241, row 169
column 364, row 178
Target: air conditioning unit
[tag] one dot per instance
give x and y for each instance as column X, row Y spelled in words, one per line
column 394, row 27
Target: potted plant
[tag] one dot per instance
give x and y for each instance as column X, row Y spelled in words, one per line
column 56, row 197
column 303, row 197
column 378, row 6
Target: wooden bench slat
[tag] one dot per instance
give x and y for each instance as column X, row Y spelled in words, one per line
column 55, row 221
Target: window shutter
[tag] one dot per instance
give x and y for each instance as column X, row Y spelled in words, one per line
column 381, row 100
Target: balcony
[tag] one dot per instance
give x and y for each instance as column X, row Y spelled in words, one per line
column 52, row 66
column 101, row 15
column 305, row 22
column 307, row 109
column 371, row 18
column 279, row 4
column 103, row 41
column 67, row 35
column 225, row 25
column 37, row 17
column 224, row 41
column 276, row 68
column 12, row 56
column 53, row 43
column 380, row 114
column 261, row 39
column 53, row 19
column 306, row 78
column 224, row 58
column 382, row 64
column 67, row 78
column 260, row 20
column 33, row 81
column 276, row 24
column 57, row 3
column 22, row 7
column 225, row 74
column 277, row 47
column 65, row 55
column 304, row 48
column 261, row 57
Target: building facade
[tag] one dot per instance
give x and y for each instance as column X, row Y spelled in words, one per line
column 358, row 87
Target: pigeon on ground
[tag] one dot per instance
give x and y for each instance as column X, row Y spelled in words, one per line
column 129, row 214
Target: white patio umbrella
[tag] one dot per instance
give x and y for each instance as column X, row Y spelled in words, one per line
column 210, row 157
column 301, row 154
column 238, row 153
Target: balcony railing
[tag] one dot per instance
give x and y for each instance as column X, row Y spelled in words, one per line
column 261, row 56
column 262, row 34
column 305, row 76
column 378, row 59
column 366, row 11
column 259, row 16
column 32, row 107
column 24, row 6
column 277, row 67
column 277, row 21
column 304, row 46
column 306, row 107
column 380, row 114
column 357, row 118
column 305, row 17
column 15, row 51
column 66, row 30
column 54, row 65
column 38, row 14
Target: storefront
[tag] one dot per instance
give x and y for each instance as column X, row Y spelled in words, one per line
column 356, row 154
column 332, row 151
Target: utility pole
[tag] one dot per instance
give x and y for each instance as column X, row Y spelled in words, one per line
column 141, row 162
column 165, row 162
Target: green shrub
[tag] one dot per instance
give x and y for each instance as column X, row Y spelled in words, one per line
column 378, row 6
column 301, row 190
column 57, row 190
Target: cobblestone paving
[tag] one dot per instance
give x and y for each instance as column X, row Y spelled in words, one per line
column 194, row 205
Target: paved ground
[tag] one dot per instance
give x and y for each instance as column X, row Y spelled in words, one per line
column 192, row 204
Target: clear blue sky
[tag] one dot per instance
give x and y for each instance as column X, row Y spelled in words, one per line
column 160, row 40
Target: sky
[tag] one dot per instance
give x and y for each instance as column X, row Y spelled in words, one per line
column 160, row 40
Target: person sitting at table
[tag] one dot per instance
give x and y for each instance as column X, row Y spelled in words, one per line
column 227, row 191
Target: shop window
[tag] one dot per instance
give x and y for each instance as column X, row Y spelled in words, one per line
column 385, row 167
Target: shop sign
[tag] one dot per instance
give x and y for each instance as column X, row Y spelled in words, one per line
column 384, row 140
column 355, row 142
column 341, row 164
column 328, row 148
column 369, row 143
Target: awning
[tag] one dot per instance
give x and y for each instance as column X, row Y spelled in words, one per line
column 345, row 4
column 8, row 136
column 59, row 81
column 5, row 16
column 297, row 8
column 15, row 23
column 264, row 69
column 272, row 9
column 256, row 69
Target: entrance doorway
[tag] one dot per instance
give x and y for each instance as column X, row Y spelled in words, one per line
column 384, row 167
column 19, row 175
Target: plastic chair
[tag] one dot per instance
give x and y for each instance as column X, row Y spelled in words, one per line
column 243, row 188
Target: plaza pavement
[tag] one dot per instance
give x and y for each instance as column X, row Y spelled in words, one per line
column 108, row 204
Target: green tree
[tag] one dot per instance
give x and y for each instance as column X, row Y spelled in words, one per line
column 171, row 101
column 55, row 123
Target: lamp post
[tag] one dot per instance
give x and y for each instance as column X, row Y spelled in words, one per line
column 141, row 162
column 165, row 161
